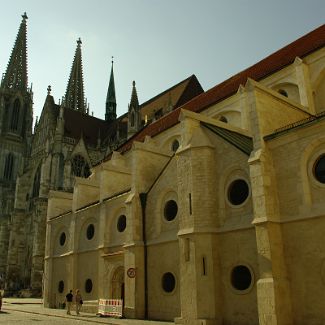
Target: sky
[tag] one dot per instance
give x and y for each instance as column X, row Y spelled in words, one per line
column 157, row 43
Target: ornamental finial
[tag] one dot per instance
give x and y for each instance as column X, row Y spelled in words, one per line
column 24, row 16
column 49, row 89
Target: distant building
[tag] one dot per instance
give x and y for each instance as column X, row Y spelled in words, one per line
column 66, row 143
column 212, row 214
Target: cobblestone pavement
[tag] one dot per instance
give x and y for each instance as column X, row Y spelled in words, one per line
column 31, row 311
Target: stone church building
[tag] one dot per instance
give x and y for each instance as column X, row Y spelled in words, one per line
column 212, row 214
column 66, row 143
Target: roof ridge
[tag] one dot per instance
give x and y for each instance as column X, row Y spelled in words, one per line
column 244, row 74
column 167, row 90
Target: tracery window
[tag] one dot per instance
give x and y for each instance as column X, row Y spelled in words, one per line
column 80, row 167
column 132, row 119
column 37, row 182
column 9, row 163
column 15, row 115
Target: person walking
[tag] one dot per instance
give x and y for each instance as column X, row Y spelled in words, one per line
column 68, row 299
column 79, row 301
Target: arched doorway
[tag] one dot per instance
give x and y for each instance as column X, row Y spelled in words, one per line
column 118, row 284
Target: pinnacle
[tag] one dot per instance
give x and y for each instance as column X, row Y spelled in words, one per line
column 16, row 74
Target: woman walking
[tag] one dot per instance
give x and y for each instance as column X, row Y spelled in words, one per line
column 79, row 301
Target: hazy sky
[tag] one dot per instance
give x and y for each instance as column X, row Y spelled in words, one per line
column 156, row 43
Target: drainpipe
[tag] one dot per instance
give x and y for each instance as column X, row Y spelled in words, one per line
column 143, row 200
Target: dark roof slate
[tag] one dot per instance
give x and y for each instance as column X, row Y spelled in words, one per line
column 240, row 141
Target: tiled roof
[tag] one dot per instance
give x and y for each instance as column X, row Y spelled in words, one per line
column 179, row 94
column 274, row 62
column 240, row 141
column 76, row 123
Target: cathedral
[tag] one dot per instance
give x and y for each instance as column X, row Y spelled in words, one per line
column 64, row 145
column 213, row 213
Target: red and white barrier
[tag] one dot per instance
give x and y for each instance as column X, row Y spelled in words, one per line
column 110, row 307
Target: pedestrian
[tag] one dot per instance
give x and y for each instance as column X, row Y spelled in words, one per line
column 68, row 300
column 79, row 301
column 0, row 300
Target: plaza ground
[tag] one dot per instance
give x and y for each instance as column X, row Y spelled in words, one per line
column 29, row 310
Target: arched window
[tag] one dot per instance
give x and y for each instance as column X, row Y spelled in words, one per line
column 223, row 119
column 80, row 167
column 283, row 92
column 132, row 118
column 15, row 115
column 61, row 172
column 9, row 164
column 37, row 182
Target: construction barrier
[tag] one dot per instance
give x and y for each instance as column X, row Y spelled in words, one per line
column 110, row 307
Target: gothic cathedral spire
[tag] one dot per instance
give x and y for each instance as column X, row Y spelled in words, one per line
column 134, row 116
column 74, row 97
column 16, row 74
column 110, row 114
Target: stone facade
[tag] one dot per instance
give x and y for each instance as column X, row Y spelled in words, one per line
column 218, row 206
column 65, row 143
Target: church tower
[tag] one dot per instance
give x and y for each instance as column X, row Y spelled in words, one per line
column 75, row 97
column 134, row 116
column 16, row 117
column 110, row 114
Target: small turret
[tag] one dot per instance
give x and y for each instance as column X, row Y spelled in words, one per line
column 134, row 116
column 110, row 114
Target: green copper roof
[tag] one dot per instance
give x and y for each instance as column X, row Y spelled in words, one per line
column 16, row 74
column 240, row 141
column 111, row 98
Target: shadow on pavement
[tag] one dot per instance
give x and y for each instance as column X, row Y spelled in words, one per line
column 3, row 312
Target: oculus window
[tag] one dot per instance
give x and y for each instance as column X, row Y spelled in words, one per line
column 90, row 231
column 241, row 277
column 62, row 239
column 319, row 169
column 238, row 192
column 170, row 210
column 121, row 223
column 168, row 282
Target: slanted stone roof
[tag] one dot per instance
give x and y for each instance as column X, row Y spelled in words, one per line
column 240, row 141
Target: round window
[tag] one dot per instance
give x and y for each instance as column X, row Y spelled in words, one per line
column 241, row 277
column 90, row 231
column 88, row 286
column 223, row 119
column 319, row 169
column 238, row 192
column 170, row 210
column 283, row 92
column 121, row 223
column 61, row 286
column 168, row 282
column 62, row 238
column 175, row 145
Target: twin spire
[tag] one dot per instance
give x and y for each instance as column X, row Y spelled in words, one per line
column 16, row 74
column 74, row 96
